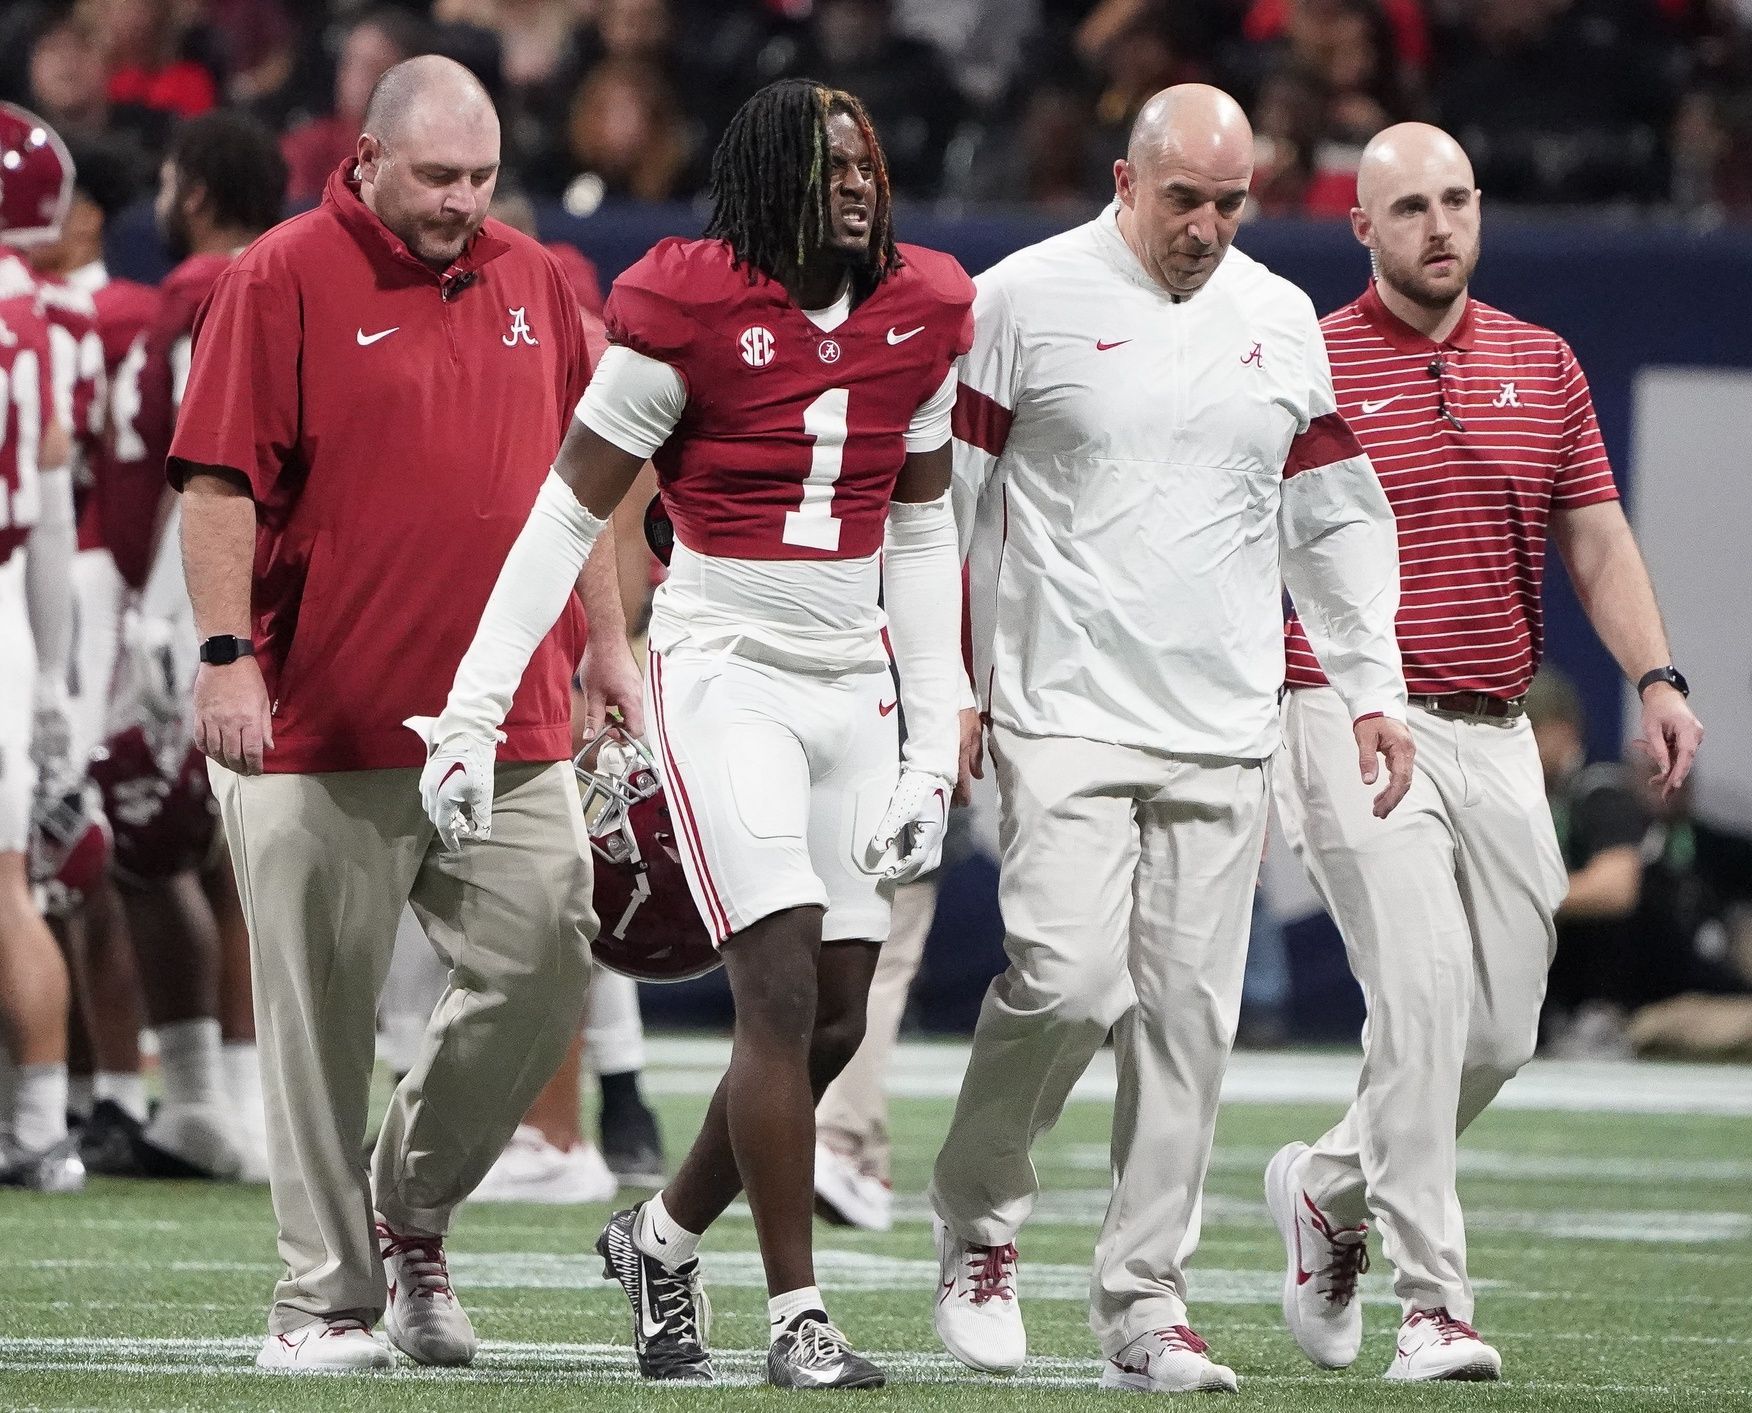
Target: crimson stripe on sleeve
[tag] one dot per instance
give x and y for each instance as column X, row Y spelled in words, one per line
column 980, row 421
column 1328, row 440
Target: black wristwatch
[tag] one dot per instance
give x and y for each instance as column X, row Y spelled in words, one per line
column 223, row 649
column 1669, row 674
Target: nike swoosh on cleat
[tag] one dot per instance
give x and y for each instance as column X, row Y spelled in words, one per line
column 366, row 340
column 646, row 1327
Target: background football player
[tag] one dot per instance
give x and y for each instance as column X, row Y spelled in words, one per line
column 36, row 636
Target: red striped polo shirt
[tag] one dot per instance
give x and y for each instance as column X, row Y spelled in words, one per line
column 1476, row 439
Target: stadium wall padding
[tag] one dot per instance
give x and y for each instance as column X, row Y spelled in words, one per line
column 1628, row 295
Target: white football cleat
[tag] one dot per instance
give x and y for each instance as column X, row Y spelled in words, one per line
column 1173, row 1360
column 1323, row 1262
column 423, row 1317
column 977, row 1316
column 533, row 1170
column 851, row 1196
column 339, row 1346
column 57, row 1169
column 1434, row 1345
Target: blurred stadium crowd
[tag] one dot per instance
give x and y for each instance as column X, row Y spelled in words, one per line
column 1633, row 105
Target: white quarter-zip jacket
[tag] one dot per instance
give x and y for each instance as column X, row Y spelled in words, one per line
column 1136, row 477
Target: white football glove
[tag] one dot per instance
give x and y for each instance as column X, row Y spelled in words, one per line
column 51, row 731
column 456, row 786
column 150, row 645
column 909, row 841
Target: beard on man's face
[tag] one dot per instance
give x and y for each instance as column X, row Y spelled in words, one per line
column 1409, row 279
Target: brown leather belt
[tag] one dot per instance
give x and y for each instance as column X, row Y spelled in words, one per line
column 1473, row 704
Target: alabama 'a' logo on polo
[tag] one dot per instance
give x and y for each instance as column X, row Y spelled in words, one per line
column 519, row 329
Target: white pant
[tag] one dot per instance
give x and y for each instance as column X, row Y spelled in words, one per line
column 1126, row 887
column 98, row 591
column 614, row 1032
column 17, row 708
column 1446, row 909
column 777, row 780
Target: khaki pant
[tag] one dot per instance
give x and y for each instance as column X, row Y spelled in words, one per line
column 325, row 864
column 1446, row 909
column 853, row 1114
column 1126, row 886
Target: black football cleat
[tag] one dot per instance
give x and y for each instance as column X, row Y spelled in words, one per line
column 671, row 1315
column 812, row 1353
column 106, row 1141
column 630, row 1142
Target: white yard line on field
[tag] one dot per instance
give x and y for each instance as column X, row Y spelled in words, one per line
column 933, row 1070
column 585, row 1365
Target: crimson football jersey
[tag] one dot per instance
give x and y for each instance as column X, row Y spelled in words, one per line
column 76, row 378
column 26, row 407
column 123, row 508
column 168, row 344
column 793, row 436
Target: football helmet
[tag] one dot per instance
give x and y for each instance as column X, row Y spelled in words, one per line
column 160, row 806
column 36, row 178
column 69, row 847
column 651, row 930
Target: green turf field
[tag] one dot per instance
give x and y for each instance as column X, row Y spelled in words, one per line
column 1613, row 1251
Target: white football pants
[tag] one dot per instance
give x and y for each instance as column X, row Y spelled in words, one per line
column 1446, row 909
column 1126, row 886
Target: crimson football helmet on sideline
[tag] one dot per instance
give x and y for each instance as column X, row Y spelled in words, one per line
column 69, row 847
column 36, row 178
column 159, row 804
column 651, row 930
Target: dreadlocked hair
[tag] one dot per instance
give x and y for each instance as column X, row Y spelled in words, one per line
column 770, row 177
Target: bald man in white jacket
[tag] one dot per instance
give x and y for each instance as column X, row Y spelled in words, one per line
column 1147, row 448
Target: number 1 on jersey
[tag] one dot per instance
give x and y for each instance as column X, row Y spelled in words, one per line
column 813, row 524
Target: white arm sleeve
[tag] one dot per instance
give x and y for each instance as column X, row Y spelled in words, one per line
column 930, row 426
column 48, row 577
column 527, row 599
column 1341, row 554
column 633, row 401
column 921, row 590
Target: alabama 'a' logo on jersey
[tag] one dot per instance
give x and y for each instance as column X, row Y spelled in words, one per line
column 757, row 345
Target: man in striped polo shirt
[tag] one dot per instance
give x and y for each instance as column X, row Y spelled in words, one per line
column 1482, row 432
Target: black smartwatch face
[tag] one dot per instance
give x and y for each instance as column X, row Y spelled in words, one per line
column 221, row 651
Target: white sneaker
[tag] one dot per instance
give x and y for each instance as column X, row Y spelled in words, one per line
column 977, row 1316
column 533, row 1170
column 1324, row 1261
column 423, row 1318
column 851, row 1196
column 1168, row 1361
column 1434, row 1345
column 338, row 1346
